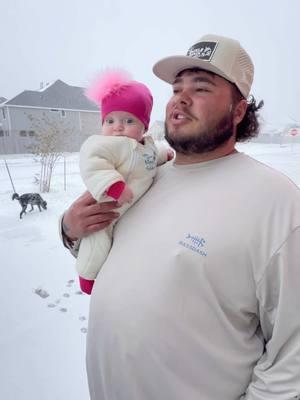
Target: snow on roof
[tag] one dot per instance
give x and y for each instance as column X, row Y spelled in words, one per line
column 58, row 95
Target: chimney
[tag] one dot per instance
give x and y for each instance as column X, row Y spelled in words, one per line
column 41, row 85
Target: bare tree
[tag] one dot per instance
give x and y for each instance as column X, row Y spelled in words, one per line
column 51, row 138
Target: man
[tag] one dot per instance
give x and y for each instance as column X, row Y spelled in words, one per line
column 199, row 297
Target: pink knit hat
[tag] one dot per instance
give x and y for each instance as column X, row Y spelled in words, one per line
column 115, row 91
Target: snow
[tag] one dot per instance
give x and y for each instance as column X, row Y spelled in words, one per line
column 43, row 313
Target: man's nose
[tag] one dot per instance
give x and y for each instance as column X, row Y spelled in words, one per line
column 184, row 98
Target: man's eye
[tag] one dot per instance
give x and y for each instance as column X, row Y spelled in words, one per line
column 202, row 90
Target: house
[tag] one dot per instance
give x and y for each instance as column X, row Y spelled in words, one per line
column 59, row 102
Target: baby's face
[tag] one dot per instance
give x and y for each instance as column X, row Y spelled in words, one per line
column 120, row 123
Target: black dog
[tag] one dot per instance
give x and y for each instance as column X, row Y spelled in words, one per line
column 34, row 199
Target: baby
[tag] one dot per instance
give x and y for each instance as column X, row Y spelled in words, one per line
column 119, row 164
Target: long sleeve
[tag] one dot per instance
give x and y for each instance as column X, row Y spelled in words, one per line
column 100, row 157
column 73, row 247
column 277, row 374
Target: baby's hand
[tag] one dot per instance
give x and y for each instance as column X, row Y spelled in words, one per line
column 126, row 196
column 170, row 154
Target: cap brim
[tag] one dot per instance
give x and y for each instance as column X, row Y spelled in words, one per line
column 168, row 68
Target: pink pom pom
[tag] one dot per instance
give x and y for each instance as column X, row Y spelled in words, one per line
column 107, row 83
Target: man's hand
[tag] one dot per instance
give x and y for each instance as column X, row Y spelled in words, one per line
column 86, row 216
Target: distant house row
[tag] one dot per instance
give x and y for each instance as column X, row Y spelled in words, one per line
column 59, row 102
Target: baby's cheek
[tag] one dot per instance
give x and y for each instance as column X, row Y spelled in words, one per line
column 106, row 131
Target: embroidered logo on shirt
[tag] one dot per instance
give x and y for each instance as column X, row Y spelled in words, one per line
column 150, row 160
column 194, row 243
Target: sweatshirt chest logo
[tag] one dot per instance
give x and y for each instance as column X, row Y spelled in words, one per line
column 150, row 160
column 194, row 243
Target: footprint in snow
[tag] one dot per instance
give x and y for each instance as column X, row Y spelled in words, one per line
column 41, row 292
column 70, row 282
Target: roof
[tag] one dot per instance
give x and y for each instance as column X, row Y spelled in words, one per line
column 2, row 100
column 57, row 95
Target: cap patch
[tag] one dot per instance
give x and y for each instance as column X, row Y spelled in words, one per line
column 202, row 50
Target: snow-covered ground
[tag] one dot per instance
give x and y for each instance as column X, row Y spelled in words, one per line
column 42, row 340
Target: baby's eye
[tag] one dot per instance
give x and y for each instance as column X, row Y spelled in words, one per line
column 109, row 121
column 129, row 121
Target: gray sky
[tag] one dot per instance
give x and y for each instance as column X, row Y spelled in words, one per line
column 72, row 40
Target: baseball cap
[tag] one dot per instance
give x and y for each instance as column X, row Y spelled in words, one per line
column 218, row 54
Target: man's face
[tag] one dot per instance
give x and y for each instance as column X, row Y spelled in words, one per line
column 199, row 114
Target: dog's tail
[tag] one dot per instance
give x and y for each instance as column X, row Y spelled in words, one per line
column 15, row 196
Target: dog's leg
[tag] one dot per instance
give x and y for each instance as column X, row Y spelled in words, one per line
column 39, row 207
column 23, row 211
column 31, row 208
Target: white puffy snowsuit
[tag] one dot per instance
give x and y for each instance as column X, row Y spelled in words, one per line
column 105, row 160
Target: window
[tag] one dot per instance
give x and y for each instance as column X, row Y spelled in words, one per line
column 31, row 133
column 23, row 133
column 54, row 110
column 63, row 113
column 1, row 133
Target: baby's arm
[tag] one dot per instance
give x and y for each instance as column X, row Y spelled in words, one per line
column 121, row 192
column 99, row 156
column 164, row 154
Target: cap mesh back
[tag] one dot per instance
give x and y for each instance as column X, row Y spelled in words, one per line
column 245, row 63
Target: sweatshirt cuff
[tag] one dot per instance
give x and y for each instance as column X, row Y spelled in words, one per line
column 116, row 189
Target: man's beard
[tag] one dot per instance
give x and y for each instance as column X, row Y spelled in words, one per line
column 204, row 141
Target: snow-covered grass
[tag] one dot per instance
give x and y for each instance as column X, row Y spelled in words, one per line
column 42, row 341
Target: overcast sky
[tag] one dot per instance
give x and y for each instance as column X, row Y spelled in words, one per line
column 72, row 40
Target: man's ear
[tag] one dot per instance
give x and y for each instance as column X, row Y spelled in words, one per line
column 239, row 111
